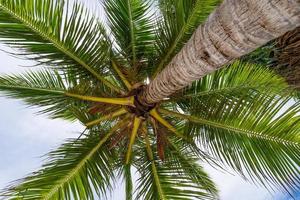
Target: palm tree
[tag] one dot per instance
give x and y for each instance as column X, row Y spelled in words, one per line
column 241, row 118
column 234, row 29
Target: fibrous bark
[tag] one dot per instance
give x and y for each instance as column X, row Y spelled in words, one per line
column 234, row 29
column 287, row 57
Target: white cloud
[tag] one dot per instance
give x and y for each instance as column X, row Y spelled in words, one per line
column 233, row 187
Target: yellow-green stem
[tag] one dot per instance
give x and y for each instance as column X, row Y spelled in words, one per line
column 136, row 125
column 165, row 123
column 107, row 117
column 121, row 75
column 154, row 170
column 127, row 101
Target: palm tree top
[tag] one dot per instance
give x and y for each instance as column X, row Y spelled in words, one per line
column 239, row 118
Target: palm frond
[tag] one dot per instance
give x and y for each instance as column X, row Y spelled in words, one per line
column 55, row 34
column 59, row 95
column 176, row 178
column 76, row 170
column 131, row 25
column 41, row 88
column 128, row 181
column 263, row 55
column 238, row 79
column 179, row 19
column 189, row 158
column 259, row 139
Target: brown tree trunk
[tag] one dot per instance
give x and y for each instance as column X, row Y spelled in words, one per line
column 235, row 28
column 287, row 57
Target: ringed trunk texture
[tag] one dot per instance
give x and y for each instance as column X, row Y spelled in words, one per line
column 234, row 29
column 287, row 57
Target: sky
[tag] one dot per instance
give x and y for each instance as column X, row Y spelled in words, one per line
column 26, row 136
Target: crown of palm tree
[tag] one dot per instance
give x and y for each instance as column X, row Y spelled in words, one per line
column 241, row 118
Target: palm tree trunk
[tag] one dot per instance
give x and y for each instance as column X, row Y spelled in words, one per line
column 234, row 29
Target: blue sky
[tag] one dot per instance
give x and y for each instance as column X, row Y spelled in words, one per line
column 25, row 137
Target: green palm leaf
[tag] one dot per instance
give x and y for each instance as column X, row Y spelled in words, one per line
column 74, row 171
column 42, row 88
column 250, row 137
column 55, row 36
column 178, row 177
column 238, row 79
column 59, row 95
column 128, row 182
column 131, row 25
column 241, row 117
